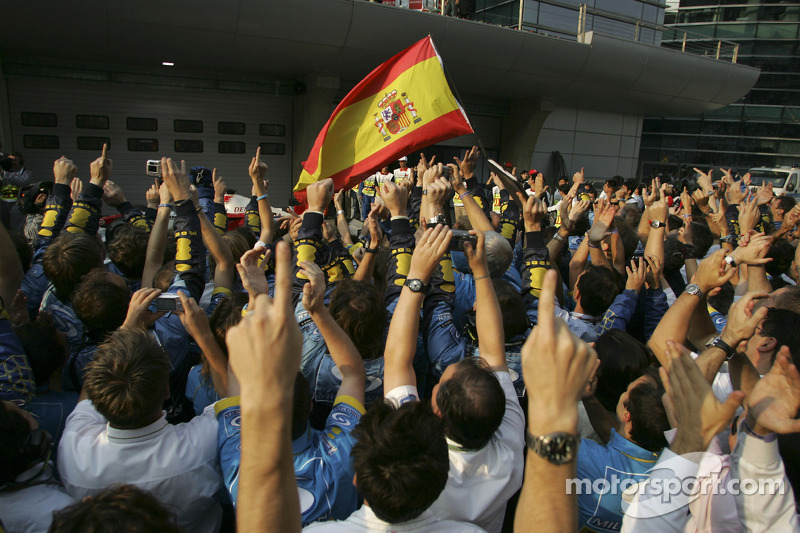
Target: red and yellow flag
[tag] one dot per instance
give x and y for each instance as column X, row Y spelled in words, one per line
column 403, row 105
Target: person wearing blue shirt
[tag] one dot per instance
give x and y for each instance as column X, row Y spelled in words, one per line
column 323, row 468
column 632, row 450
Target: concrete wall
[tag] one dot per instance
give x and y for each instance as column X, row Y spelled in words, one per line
column 605, row 144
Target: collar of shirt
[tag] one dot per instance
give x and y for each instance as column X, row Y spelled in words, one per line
column 147, row 432
column 591, row 319
column 631, row 449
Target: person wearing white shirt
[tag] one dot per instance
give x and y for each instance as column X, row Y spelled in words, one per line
column 121, row 435
column 404, row 172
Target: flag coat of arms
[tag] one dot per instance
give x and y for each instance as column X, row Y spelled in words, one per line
column 403, row 105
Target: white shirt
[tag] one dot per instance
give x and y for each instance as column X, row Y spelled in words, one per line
column 177, row 464
column 402, row 174
column 480, row 482
column 31, row 509
column 365, row 520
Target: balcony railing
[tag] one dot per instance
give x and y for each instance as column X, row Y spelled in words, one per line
column 563, row 20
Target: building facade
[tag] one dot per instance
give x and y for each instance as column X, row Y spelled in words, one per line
column 762, row 128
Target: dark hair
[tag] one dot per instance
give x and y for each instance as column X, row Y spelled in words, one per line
column 648, row 417
column 782, row 254
column 630, row 184
column 785, row 202
column 702, row 238
column 673, row 254
column 227, row 314
column 70, row 257
column 622, row 359
column 674, row 222
column 128, row 378
column 301, row 408
column 101, row 302
column 23, row 247
column 45, row 347
column 784, row 326
column 723, row 300
column 515, row 321
column 119, row 509
column 400, row 459
column 472, row 404
column 358, row 308
column 628, row 236
column 14, row 428
column 128, row 252
column 598, row 287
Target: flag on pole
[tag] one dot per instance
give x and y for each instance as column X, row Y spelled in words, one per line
column 403, row 105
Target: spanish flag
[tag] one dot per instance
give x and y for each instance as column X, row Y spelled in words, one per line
column 403, row 105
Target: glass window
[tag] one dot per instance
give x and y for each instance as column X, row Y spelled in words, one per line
column 273, row 130
column 187, row 126
column 141, row 124
column 40, row 142
column 231, row 128
column 768, row 30
column 272, row 148
column 193, row 146
column 93, row 143
column 143, row 145
column 39, row 120
column 94, row 122
column 762, row 113
column 231, row 147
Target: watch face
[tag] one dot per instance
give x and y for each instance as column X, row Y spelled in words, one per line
column 559, row 449
column 414, row 284
column 693, row 288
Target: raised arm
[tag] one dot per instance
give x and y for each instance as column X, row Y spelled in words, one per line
column 258, row 171
column 221, row 252
column 195, row 321
column 367, row 266
column 488, row 318
column 84, row 217
column 712, row 272
column 401, row 343
column 264, row 353
column 475, row 213
column 556, row 366
column 157, row 242
column 342, row 350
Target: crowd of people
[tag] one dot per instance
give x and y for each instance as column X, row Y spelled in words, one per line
column 469, row 356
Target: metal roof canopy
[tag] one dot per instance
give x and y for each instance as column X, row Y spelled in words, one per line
column 348, row 38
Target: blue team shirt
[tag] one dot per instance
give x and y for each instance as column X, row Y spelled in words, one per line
column 620, row 459
column 322, row 463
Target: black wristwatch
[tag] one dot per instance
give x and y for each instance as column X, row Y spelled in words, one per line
column 416, row 285
column 722, row 345
column 558, row 448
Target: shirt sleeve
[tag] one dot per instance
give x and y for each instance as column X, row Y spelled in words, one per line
column 16, row 375
column 229, row 442
column 512, row 428
column 401, row 395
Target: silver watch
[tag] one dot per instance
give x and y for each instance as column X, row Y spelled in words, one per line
column 558, row 448
column 694, row 290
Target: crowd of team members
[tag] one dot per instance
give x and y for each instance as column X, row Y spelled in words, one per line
column 391, row 381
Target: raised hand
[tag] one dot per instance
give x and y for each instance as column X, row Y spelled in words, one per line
column 713, row 272
column 654, row 270
column 743, row 320
column 533, row 212
column 152, row 196
column 251, row 268
column 476, row 255
column 76, row 188
column 651, row 195
column 176, row 179
column 314, row 290
column 700, row 198
column 193, row 317
column 705, row 181
column 773, row 403
column 636, row 275
column 468, row 164
column 603, row 220
column 139, row 315
column 395, row 198
column 100, row 168
column 319, row 195
column 64, row 170
column 754, row 251
column 698, row 414
column 257, row 169
column 219, row 187
column 113, row 194
column 765, row 193
column 428, row 252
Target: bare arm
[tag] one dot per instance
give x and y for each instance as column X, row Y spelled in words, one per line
column 196, row 323
column 401, row 343
column 221, row 252
column 488, row 318
column 367, row 265
column 157, row 242
column 257, row 171
column 477, row 218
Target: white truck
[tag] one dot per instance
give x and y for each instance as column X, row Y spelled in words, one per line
column 785, row 180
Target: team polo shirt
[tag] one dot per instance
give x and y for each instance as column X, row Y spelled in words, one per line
column 618, row 460
column 16, row 375
column 322, row 464
column 368, row 186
